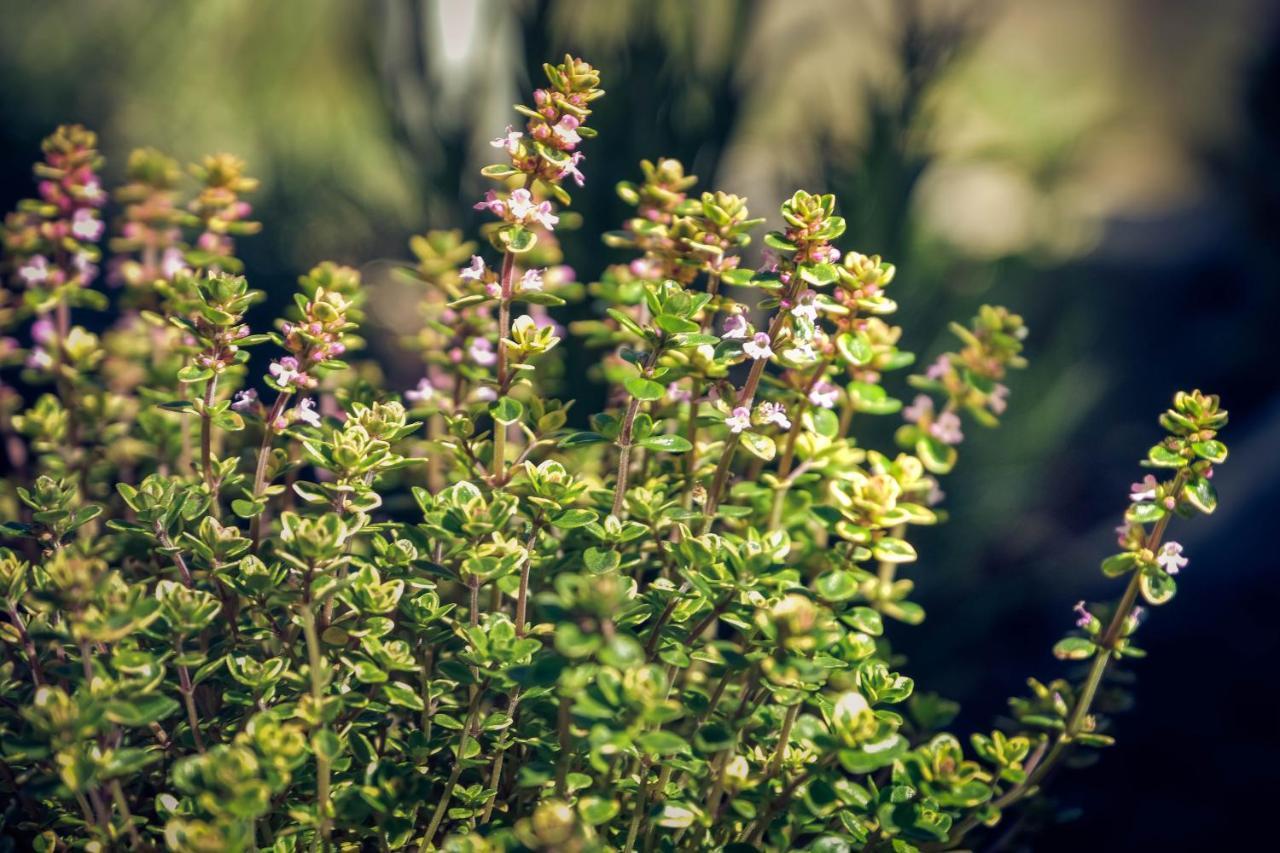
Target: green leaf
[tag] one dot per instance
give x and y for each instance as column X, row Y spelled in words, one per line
column 1200, row 493
column 759, row 445
column 1074, row 648
column 597, row 810
column 1213, row 451
column 836, row 585
column 872, row 399
column 518, row 240
column 1157, row 587
column 572, row 518
column 1119, row 564
column 142, row 711
column 399, row 693
column 740, row 277
column 667, row 443
column 892, row 550
column 854, row 348
column 506, row 410
column 1163, row 457
column 662, row 743
column 193, row 373
column 643, row 389
column 675, row 325
column 819, row 275
column 937, row 457
column 578, row 439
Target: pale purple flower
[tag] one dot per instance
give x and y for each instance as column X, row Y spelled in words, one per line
column 935, row 495
column 920, row 409
column 566, row 131
column 510, row 141
column 1170, row 557
column 739, row 420
column 474, row 272
column 806, row 307
column 531, row 281
column 245, row 400
column 84, row 267
column 42, row 331
column 522, row 209
column 286, row 372
column 422, row 393
column 485, row 394
column 1144, row 491
column 998, row 400
column 571, row 169
column 830, row 254
column 492, row 203
column 543, row 216
column 85, row 225
column 947, row 428
column 758, row 347
column 306, row 412
column 774, row 413
column 645, row 268
column 1085, row 617
column 35, row 271
column 802, row 352
column 676, row 394
column 92, row 192
column 172, row 263
column 1122, row 534
column 768, row 260
column 735, row 326
column 939, row 368
column 39, row 359
column 481, row 352
column 824, row 394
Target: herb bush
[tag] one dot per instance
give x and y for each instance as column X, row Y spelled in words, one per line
column 332, row 616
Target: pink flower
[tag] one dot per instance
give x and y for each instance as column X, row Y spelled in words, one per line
column 738, row 421
column 936, row 495
column 531, row 281
column 824, row 394
column 485, row 394
column 768, row 261
column 42, row 331
column 735, row 327
column 39, row 359
column 1145, row 490
column 1170, row 557
column 35, row 271
column 524, row 212
column 481, row 352
column 939, row 368
column 998, row 400
column 566, row 132
column 421, row 394
column 758, row 347
column 245, row 400
column 1122, row 534
column 947, row 428
column 676, row 394
column 920, row 409
column 1086, row 618
column 571, row 169
column 829, row 254
column 492, row 203
column 92, row 192
column 475, row 272
column 286, row 372
column 85, row 225
column 774, row 413
column 510, row 141
column 306, row 412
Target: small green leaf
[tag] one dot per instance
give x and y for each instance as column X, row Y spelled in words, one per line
column 506, row 410
column 667, row 443
column 1163, row 457
column 1201, row 494
column 572, row 518
column 643, row 389
column 759, row 445
column 1074, row 648
column 1213, row 451
column 662, row 743
column 892, row 550
column 1157, row 587
column 836, row 585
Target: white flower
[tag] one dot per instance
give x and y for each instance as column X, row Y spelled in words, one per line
column 801, row 352
column 531, row 281
column 510, row 141
column 738, row 421
column 824, row 394
column 998, row 400
column 475, row 272
column 481, row 352
column 485, row 394
column 421, row 394
column 172, row 263
column 566, row 131
column 1145, row 490
column 735, row 327
column 286, row 372
column 571, row 169
column 806, row 307
column 758, row 347
column 774, row 413
column 1170, row 558
column 85, row 225
column 306, row 412
column 676, row 394
column 245, row 400
column 35, row 271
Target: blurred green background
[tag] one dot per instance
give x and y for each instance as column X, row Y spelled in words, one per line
column 1106, row 167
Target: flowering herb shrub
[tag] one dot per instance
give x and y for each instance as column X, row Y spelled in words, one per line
column 299, row 610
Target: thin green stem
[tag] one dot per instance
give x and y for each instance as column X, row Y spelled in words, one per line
column 317, row 670
column 264, row 453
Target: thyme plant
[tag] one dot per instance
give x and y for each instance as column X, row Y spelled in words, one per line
column 300, row 610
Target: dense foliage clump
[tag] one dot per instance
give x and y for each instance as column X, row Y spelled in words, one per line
column 305, row 611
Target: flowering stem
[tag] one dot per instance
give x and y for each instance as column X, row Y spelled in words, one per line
column 1097, row 670
column 260, row 473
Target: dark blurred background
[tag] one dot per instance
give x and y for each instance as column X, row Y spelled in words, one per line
column 1106, row 167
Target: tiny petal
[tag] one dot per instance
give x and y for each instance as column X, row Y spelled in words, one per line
column 739, row 420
